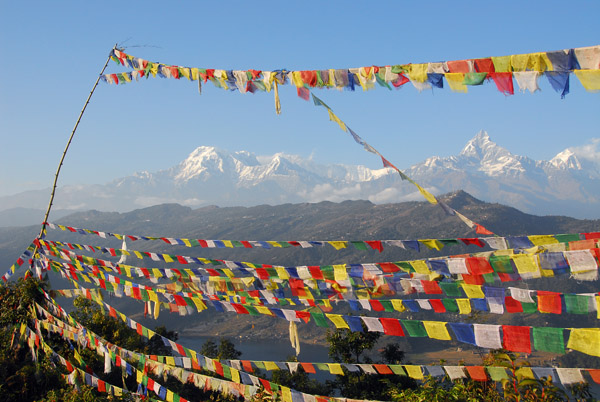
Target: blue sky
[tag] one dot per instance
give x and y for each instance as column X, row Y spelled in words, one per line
column 53, row 51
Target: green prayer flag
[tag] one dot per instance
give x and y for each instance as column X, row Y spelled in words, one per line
column 259, row 364
column 451, row 289
column 414, row 328
column 359, row 245
column 497, row 373
column 226, row 372
column 576, row 304
column 397, row 369
column 529, row 308
column 405, row 266
column 549, row 339
column 490, row 278
column 327, row 271
column 320, row 320
column 501, row 264
column 474, row 78
column 565, row 238
column 251, row 310
column 387, row 305
column 321, row 366
column 237, row 243
column 450, row 305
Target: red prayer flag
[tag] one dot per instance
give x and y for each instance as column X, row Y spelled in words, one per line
column 484, row 66
column 516, row 338
column 375, row 245
column 102, row 385
column 437, row 305
column 401, row 80
column 247, row 366
column 504, row 82
column 478, row 265
column 592, row 235
column 473, row 279
column 481, row 230
column 303, row 315
column 376, row 305
column 391, row 326
column 512, row 305
column 477, row 373
column 595, row 374
column 308, row 367
column 316, row 272
column 549, row 302
column 472, row 240
column 431, row 287
column 239, row 308
column 459, row 66
column 218, row 367
column 388, row 267
column 383, row 369
column 303, row 93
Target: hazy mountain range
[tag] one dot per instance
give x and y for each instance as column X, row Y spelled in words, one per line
column 568, row 184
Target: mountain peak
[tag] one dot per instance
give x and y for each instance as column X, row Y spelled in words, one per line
column 479, row 145
column 566, row 160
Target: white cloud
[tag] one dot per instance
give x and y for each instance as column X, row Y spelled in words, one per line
column 590, row 151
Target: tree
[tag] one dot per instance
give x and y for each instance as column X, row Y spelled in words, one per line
column 224, row 351
column 352, row 347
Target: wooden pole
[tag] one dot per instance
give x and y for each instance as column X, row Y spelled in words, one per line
column 87, row 101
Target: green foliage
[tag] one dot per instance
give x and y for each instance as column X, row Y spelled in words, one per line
column 224, row 351
column 300, row 380
column 351, row 347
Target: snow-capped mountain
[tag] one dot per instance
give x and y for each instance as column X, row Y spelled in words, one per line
column 568, row 184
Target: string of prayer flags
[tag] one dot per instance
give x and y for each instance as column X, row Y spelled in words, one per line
column 459, row 74
column 387, row 164
column 497, row 243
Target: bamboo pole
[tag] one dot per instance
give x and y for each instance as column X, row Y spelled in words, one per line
column 64, row 154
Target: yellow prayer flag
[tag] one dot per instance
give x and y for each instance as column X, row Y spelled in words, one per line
column 524, row 372
column 473, row 291
column 598, row 307
column 119, row 392
column 502, row 64
column 335, row 368
column 541, row 240
column 152, row 295
column 156, row 273
column 138, row 254
column 263, row 310
column 398, row 306
column 420, row 267
column 428, row 196
column 286, row 394
column 455, row 81
column 235, row 375
column 519, row 62
column 433, row 244
column 228, row 272
column 185, row 71
column 413, row 371
column 525, row 263
column 333, row 117
column 590, row 79
column 418, row 72
column 585, row 340
column 139, row 376
column 195, row 76
column 338, row 321
column 282, row 273
column 271, row 366
column 297, row 79
column 464, row 306
column 170, row 360
column 339, row 272
column 170, row 396
column 200, row 305
column 437, row 330
column 275, row 244
column 338, row 244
